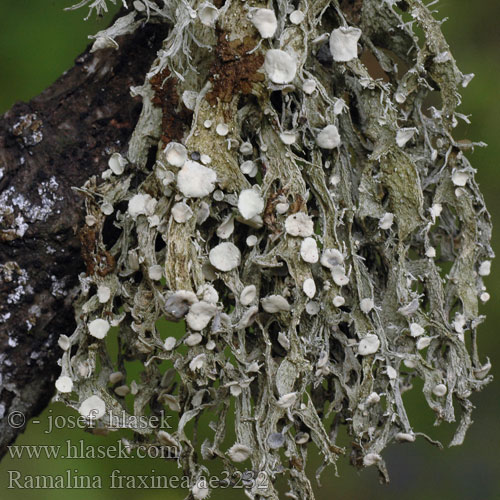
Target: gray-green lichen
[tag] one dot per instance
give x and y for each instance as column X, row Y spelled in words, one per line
column 319, row 230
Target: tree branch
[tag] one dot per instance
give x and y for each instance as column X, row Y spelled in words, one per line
column 47, row 146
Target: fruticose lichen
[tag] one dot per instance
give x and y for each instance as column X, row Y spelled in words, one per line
column 299, row 200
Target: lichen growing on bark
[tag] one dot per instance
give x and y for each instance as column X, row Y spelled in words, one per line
column 301, row 203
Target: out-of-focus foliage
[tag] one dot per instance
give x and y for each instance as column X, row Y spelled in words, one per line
column 465, row 472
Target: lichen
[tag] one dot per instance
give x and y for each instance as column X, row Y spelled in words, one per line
column 17, row 211
column 364, row 211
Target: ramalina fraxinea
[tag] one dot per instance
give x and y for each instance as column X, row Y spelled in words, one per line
column 293, row 194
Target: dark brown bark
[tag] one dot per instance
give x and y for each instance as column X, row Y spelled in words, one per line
column 47, row 146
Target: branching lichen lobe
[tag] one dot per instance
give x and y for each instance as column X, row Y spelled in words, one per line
column 306, row 237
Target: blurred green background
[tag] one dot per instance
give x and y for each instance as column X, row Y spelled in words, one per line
column 38, row 41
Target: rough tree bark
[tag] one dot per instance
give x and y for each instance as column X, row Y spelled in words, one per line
column 48, row 146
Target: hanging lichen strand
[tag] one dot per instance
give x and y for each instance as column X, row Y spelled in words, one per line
column 294, row 194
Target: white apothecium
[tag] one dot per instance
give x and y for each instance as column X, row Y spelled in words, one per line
column 208, row 293
column 222, row 129
column 275, row 303
column 189, row 98
column 175, row 154
column 366, row 305
column 309, row 250
column 117, row 163
column 436, row 210
column 339, row 276
column 460, row 178
column 309, row 287
column 155, row 272
column 485, row 268
column 181, row 212
column 248, row 295
column 369, row 345
column 282, row 208
column 386, row 221
column 64, row 343
column 309, row 86
column 99, row 328
column 280, row 66
column 226, row 229
column 373, row 398
column 195, row 180
column 64, row 384
column 93, row 407
column 141, row 204
column 344, row 43
column 416, row 330
column 265, row 21
column 313, row 307
column 208, row 14
column 430, row 252
column 193, row 339
column 225, row 256
column 197, row 362
column 246, row 148
column 371, row 459
column 249, row 168
column 287, row 400
column 297, row 16
column 169, row 343
column 299, row 224
column 288, row 138
column 200, row 314
column 200, row 490
column 423, row 342
column 391, row 372
column 103, row 293
column 405, row 436
column 403, row 135
column 338, row 301
column 328, row 138
column 439, row 390
column 239, row 452
column 251, row 241
column 115, row 377
column 250, row 203
column 331, row 257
